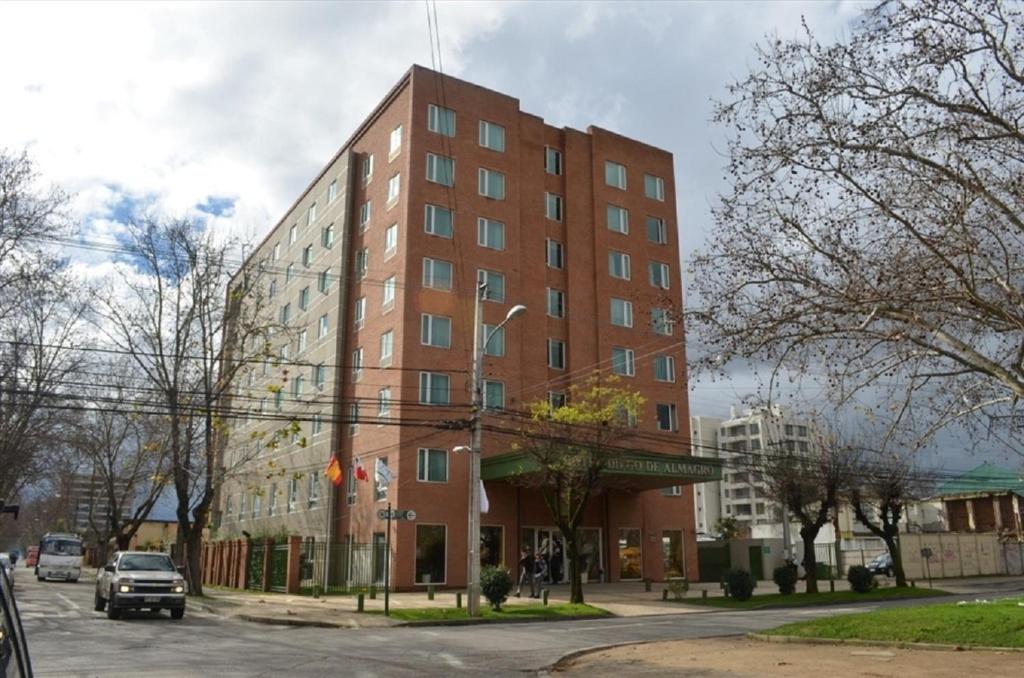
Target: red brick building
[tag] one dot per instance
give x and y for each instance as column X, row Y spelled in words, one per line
column 445, row 184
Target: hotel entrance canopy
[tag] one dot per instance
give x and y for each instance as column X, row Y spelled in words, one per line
column 635, row 471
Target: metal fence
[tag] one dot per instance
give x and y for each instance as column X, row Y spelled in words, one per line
column 257, row 551
column 339, row 569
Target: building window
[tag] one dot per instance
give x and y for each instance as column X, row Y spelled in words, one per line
column 293, row 234
column 432, row 465
column 350, row 486
column 323, row 327
column 661, row 322
column 298, row 386
column 357, row 364
column 317, row 426
column 438, row 221
column 367, row 168
column 277, row 251
column 311, row 216
column 365, row 212
column 618, row 265
column 553, row 206
column 492, row 136
column 435, row 330
column 664, row 368
column 272, row 508
column 801, row 431
column 304, row 298
column 362, row 263
column 494, row 394
column 623, row 362
column 327, row 236
column 390, row 240
column 272, row 290
column 313, row 499
column 656, row 232
column 495, row 284
column 618, row 219
column 437, row 274
column 319, row 376
column 286, row 313
column 491, row 184
column 384, row 403
column 380, row 492
column 394, row 188
column 360, row 312
column 552, row 160
column 490, row 233
column 659, row 274
column 395, row 145
column 307, row 255
column 667, row 417
column 441, row 120
column 278, row 399
column 293, row 495
column 554, row 254
column 388, row 298
column 440, row 169
column 556, row 399
column 387, row 347
column 496, row 346
column 323, row 281
column 353, row 419
column 289, row 273
column 332, row 191
column 654, row 187
column 257, row 504
column 302, row 341
column 431, row 548
column 434, row 388
column 615, row 174
column 556, row 303
column 556, row 354
column 622, row 313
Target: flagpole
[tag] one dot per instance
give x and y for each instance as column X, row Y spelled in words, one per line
column 351, row 537
column 387, row 566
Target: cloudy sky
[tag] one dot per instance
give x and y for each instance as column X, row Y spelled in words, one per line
column 232, row 108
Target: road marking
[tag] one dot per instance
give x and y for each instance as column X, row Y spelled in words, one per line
column 70, row 602
column 451, row 660
column 610, row 626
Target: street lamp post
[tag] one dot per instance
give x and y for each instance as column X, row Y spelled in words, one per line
column 480, row 347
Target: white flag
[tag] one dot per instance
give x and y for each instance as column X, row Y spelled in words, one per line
column 485, row 505
column 382, row 474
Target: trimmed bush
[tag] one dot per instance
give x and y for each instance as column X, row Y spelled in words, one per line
column 495, row 585
column 739, row 584
column 785, row 578
column 860, row 578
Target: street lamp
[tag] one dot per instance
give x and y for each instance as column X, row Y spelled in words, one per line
column 480, row 347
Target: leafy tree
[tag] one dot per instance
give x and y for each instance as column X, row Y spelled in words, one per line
column 570, row 447
column 727, row 528
column 874, row 228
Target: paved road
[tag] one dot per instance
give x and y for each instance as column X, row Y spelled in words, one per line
column 67, row 638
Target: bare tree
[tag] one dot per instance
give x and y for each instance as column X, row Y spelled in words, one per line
column 192, row 329
column 874, row 230
column 568, row 448
column 809, row 486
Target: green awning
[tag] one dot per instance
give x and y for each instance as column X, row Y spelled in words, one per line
column 627, row 470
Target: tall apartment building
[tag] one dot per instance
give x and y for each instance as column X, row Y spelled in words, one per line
column 87, row 499
column 374, row 269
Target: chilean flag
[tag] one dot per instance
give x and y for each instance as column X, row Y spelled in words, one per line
column 361, row 473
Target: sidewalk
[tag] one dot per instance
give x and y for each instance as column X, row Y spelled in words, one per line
column 622, row 599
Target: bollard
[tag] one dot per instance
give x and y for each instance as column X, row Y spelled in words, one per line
column 647, row 585
column 704, row 594
column 359, row 603
column 544, row 595
column 373, row 593
column 664, row 594
column 832, row 585
column 430, row 592
column 458, row 600
column 913, row 584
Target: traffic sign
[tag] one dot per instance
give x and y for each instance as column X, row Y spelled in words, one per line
column 397, row 514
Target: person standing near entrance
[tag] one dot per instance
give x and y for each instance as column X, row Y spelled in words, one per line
column 540, row 572
column 525, row 572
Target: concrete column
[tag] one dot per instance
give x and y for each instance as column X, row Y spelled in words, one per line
column 268, row 549
column 970, row 515
column 294, row 551
column 1015, row 503
column 998, row 510
column 242, row 564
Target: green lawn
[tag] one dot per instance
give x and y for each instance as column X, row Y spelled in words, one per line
column 996, row 624
column 804, row 599
column 507, row 612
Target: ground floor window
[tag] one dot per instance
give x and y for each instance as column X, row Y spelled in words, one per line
column 492, row 551
column 672, row 553
column 630, row 554
column 430, row 554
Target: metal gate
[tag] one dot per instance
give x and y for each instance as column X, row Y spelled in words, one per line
column 255, row 565
column 279, row 568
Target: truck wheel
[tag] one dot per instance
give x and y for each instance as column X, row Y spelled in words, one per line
column 177, row 612
column 98, row 603
column 112, row 611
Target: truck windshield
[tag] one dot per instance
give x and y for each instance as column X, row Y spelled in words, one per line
column 146, row 563
column 61, row 547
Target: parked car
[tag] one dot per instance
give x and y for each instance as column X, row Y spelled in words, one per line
column 7, row 563
column 881, row 565
column 14, row 657
column 137, row 580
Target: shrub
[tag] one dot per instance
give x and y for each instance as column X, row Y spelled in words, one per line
column 785, row 578
column 679, row 587
column 860, row 578
column 495, row 585
column 739, row 584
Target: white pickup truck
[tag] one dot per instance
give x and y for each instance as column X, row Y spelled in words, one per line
column 139, row 580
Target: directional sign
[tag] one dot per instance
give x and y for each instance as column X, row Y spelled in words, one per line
column 397, row 514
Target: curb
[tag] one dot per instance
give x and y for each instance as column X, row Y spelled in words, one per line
column 295, row 621
column 524, row 620
column 907, row 645
column 770, row 606
column 565, row 659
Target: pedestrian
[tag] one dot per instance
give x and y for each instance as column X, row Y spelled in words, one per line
column 525, row 572
column 540, row 572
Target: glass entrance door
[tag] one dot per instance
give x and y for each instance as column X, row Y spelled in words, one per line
column 551, row 547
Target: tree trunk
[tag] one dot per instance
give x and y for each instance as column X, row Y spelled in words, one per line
column 810, row 562
column 572, row 552
column 897, row 559
column 194, row 561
